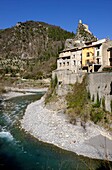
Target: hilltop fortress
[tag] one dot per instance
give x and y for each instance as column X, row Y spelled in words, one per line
column 86, row 55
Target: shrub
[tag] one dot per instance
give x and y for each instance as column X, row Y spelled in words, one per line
column 96, row 115
column 52, row 89
column 78, row 98
column 107, row 69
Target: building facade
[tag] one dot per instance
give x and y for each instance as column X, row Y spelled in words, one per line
column 70, row 60
column 87, row 58
column 110, row 56
column 95, row 56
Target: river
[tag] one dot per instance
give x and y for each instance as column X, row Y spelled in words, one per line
column 21, row 151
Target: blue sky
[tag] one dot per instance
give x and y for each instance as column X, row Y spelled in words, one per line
column 64, row 13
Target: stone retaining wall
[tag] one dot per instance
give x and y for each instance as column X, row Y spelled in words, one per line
column 100, row 84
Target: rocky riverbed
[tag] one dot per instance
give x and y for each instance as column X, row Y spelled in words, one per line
column 53, row 127
column 15, row 92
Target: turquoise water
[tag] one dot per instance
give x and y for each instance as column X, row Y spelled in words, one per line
column 21, row 151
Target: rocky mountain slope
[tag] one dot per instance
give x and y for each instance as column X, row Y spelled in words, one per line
column 83, row 33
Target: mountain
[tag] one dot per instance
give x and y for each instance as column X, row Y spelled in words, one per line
column 31, row 48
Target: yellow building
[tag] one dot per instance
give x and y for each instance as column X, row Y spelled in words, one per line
column 87, row 58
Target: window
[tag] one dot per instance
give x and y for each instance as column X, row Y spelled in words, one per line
column 67, row 63
column 63, row 63
column 88, row 54
column 98, row 61
column 111, row 88
column 87, row 61
column 74, row 62
column 60, row 65
column 98, row 53
column 111, row 53
column 98, row 47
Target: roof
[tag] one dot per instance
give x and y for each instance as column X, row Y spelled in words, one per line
column 72, row 49
column 88, row 46
column 110, row 48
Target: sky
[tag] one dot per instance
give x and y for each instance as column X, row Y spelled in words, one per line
column 64, row 13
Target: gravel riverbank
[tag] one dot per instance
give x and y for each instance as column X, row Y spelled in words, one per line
column 16, row 92
column 53, row 127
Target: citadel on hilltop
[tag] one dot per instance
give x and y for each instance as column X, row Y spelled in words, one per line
column 86, row 54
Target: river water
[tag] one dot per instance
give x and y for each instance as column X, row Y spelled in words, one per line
column 21, row 151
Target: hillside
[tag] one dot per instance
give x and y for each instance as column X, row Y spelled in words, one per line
column 31, row 48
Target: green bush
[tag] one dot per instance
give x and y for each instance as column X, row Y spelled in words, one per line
column 96, row 115
column 107, row 69
column 78, row 98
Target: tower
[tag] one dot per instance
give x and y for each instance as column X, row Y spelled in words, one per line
column 80, row 21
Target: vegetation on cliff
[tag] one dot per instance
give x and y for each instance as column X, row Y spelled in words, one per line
column 79, row 105
column 83, row 34
column 51, row 93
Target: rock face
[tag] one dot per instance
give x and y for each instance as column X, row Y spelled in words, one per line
column 83, row 33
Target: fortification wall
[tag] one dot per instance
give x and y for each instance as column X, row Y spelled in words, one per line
column 67, row 76
column 101, row 84
column 65, row 79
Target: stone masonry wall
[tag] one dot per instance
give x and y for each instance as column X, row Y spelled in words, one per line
column 101, row 84
column 65, row 79
column 67, row 76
